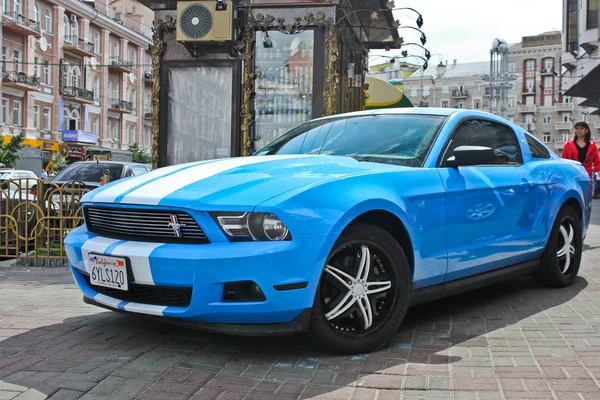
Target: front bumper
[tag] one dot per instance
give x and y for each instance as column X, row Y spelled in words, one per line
column 205, row 269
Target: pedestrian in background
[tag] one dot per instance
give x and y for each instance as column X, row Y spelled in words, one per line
column 583, row 149
column 44, row 174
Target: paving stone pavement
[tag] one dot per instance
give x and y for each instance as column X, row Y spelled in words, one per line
column 513, row 340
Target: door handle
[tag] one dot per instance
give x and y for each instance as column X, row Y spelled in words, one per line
column 527, row 184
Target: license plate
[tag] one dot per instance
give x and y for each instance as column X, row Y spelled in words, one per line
column 66, row 198
column 110, row 272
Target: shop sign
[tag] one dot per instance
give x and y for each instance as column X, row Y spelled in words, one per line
column 79, row 136
column 76, row 152
column 287, row 2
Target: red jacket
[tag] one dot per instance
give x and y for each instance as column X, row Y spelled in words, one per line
column 592, row 159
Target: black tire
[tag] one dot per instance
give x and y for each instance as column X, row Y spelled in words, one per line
column 387, row 265
column 561, row 270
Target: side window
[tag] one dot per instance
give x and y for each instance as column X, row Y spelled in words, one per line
column 138, row 170
column 537, row 149
column 498, row 137
column 128, row 173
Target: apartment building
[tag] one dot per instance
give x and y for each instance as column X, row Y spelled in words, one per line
column 535, row 101
column 580, row 56
column 76, row 76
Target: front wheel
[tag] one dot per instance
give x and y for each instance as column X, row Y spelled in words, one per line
column 562, row 257
column 363, row 293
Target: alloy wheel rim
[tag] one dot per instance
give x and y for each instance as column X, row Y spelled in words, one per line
column 358, row 289
column 566, row 246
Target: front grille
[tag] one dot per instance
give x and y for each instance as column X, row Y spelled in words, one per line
column 144, row 294
column 143, row 225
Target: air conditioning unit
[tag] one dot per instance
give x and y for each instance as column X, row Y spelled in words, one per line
column 199, row 21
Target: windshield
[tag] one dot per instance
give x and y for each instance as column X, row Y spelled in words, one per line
column 4, row 175
column 392, row 139
column 88, row 172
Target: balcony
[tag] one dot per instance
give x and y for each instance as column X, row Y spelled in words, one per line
column 118, row 65
column 148, row 113
column 121, row 106
column 78, row 46
column 547, row 71
column 148, row 77
column 564, row 106
column 78, row 95
column 527, row 108
column 460, row 94
column 528, row 126
column 18, row 23
column 563, row 126
column 21, row 81
column 529, row 90
column 559, row 144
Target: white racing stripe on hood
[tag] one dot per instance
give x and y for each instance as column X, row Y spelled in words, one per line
column 138, row 254
column 145, row 309
column 154, row 192
column 95, row 245
column 109, row 195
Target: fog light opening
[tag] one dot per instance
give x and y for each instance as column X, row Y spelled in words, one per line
column 242, row 291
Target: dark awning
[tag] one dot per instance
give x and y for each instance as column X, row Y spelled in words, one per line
column 376, row 33
column 588, row 87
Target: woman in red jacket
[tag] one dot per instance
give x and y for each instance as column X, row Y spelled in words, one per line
column 581, row 148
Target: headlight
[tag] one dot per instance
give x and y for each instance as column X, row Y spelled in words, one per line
column 247, row 226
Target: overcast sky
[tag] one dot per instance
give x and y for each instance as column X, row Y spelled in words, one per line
column 464, row 29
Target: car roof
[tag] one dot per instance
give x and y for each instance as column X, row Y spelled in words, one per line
column 437, row 111
column 109, row 162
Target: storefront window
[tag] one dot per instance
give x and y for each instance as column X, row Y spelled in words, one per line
column 284, row 84
column 572, row 26
column 592, row 14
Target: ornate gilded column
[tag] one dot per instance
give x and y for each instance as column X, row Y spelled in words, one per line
column 331, row 92
column 248, row 88
column 157, row 51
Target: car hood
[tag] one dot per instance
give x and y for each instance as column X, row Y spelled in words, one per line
column 234, row 183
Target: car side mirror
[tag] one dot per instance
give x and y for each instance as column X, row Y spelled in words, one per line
column 471, row 155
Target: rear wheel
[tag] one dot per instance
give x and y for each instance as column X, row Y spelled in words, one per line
column 562, row 257
column 363, row 293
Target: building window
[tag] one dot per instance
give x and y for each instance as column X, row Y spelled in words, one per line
column 132, row 136
column 566, row 117
column 592, row 14
column 116, row 131
column 4, row 111
column 426, row 90
column 48, row 18
column 445, row 89
column 572, row 25
column 413, row 91
column 4, row 58
column 18, row 9
column 5, row 7
column 46, row 118
column 511, row 102
column 75, row 76
column 74, row 32
column 530, row 65
column 547, row 119
column 512, row 66
column 96, row 88
column 548, row 100
column 47, row 75
column 478, row 86
column 17, row 61
column 546, row 137
column 460, row 105
column 66, row 29
column 444, row 103
column 547, row 82
column 97, row 42
column 36, row 117
column 549, row 64
column 74, row 120
column 95, row 124
column 133, row 97
column 35, row 66
column 16, row 116
column 529, row 83
column 36, row 14
column 584, row 116
column 477, row 104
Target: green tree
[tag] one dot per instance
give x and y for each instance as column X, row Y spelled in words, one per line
column 8, row 151
column 60, row 163
column 138, row 155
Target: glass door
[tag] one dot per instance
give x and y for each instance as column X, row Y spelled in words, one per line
column 284, row 84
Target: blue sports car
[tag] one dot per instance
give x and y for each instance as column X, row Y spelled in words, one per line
column 336, row 227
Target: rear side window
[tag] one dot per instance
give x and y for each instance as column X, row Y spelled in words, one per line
column 91, row 172
column 537, row 149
